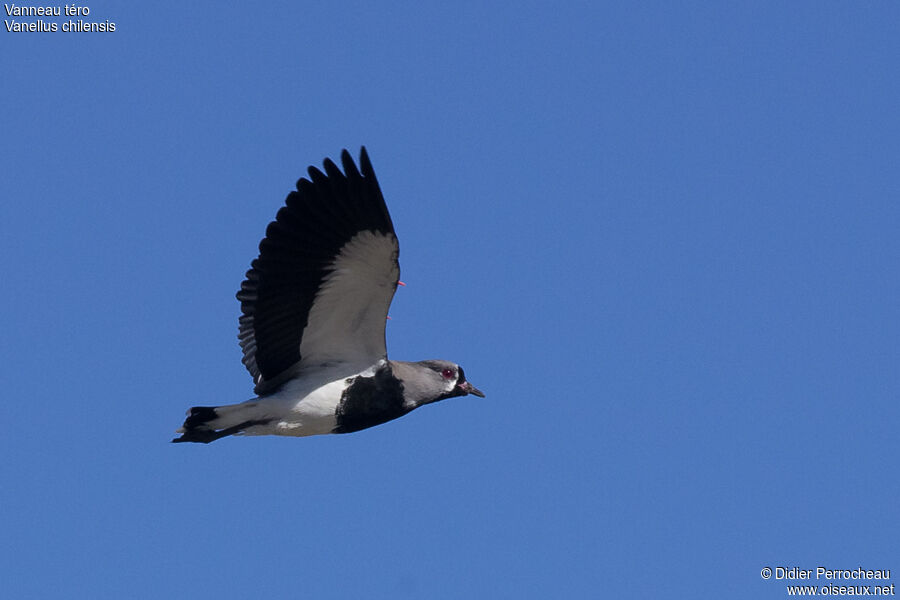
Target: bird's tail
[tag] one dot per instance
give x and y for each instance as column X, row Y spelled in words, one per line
column 205, row 424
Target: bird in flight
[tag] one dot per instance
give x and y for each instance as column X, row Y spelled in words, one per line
column 314, row 306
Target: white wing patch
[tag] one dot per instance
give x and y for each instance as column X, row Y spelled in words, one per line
column 347, row 318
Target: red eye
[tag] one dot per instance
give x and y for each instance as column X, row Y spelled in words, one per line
column 447, row 374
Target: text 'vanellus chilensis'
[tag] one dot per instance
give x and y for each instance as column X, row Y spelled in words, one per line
column 314, row 308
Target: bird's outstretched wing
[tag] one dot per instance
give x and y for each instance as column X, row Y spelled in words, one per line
column 318, row 295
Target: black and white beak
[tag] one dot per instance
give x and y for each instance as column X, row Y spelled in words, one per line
column 467, row 388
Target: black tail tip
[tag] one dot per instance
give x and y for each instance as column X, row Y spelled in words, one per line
column 202, row 436
column 199, row 416
column 195, row 429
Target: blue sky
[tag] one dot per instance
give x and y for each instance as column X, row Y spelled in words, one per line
column 662, row 237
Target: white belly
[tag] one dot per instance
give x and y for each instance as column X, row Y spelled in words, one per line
column 297, row 411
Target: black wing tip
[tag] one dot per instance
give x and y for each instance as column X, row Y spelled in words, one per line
column 350, row 170
column 332, row 170
column 365, row 165
column 315, row 174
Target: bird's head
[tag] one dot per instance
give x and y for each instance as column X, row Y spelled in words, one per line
column 434, row 380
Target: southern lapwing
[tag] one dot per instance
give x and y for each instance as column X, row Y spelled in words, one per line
column 314, row 307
